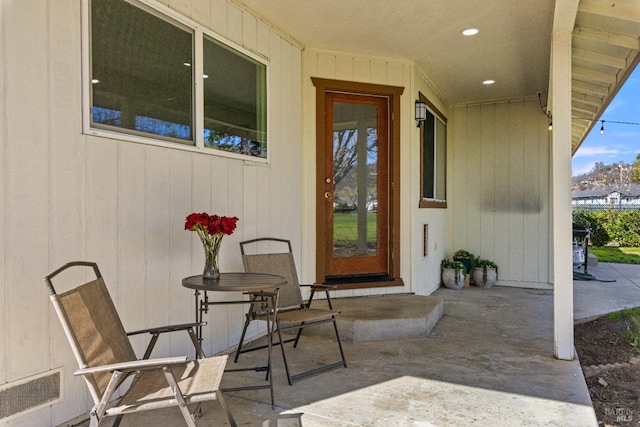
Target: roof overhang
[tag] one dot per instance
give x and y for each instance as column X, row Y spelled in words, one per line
column 606, row 46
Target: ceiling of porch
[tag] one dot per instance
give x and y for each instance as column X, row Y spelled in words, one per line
column 512, row 46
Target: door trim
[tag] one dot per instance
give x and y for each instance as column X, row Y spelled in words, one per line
column 393, row 93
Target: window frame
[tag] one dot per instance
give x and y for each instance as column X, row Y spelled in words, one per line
column 424, row 201
column 199, row 32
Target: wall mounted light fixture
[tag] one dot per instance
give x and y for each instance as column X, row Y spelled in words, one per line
column 421, row 112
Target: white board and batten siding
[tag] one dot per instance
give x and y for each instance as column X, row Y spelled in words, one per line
column 500, row 179
column 425, row 270
column 66, row 196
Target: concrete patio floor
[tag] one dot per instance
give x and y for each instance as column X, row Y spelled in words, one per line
column 488, row 361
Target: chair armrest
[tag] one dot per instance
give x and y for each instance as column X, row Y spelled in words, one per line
column 319, row 287
column 155, row 332
column 170, row 328
column 134, row 365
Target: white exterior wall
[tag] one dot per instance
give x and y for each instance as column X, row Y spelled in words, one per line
column 499, row 180
column 426, row 270
column 65, row 196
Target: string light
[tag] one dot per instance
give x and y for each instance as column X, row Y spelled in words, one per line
column 546, row 113
column 608, row 121
column 614, row 121
column 549, row 116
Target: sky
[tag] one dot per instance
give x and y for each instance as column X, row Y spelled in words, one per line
column 620, row 142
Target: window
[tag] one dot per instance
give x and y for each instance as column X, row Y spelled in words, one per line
column 234, row 110
column 433, row 159
column 144, row 64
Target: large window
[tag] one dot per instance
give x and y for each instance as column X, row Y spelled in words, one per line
column 433, row 159
column 157, row 76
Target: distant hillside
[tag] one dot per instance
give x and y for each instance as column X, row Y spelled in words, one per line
column 616, row 175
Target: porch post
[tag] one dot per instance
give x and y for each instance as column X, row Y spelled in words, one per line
column 561, row 180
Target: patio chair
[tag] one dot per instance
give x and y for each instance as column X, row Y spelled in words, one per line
column 293, row 313
column 106, row 358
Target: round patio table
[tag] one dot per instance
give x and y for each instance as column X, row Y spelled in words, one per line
column 264, row 290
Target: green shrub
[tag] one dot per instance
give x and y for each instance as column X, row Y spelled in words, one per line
column 596, row 222
column 624, row 228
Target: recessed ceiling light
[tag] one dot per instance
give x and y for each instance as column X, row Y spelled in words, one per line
column 94, row 81
column 186, row 64
column 488, row 82
column 470, row 32
column 205, row 76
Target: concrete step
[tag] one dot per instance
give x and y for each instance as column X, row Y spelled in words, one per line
column 372, row 318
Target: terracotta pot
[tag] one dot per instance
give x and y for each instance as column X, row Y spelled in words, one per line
column 453, row 278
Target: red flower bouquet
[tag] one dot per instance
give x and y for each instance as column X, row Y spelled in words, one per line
column 210, row 229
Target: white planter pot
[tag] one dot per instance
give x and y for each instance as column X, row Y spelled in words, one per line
column 485, row 280
column 453, row 278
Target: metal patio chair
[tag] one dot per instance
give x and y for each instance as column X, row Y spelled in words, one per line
column 106, row 358
column 293, row 313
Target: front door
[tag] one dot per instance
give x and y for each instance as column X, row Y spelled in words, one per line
column 357, row 184
column 356, row 178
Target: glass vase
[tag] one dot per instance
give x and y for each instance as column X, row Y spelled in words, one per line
column 211, row 270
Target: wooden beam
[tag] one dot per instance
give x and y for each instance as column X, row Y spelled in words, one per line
column 607, row 37
column 577, row 114
column 579, row 106
column 590, row 88
column 598, row 76
column 617, row 10
column 600, row 58
column 578, row 127
column 587, row 99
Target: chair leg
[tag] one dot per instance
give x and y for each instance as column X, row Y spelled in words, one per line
column 296, row 377
column 295, row 342
column 94, row 422
column 196, row 344
column 227, row 411
column 244, row 331
column 335, row 326
column 284, row 355
column 117, row 421
column 182, row 405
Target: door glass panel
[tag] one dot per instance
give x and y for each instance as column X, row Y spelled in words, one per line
column 355, row 177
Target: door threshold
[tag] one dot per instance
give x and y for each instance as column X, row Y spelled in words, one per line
column 358, row 282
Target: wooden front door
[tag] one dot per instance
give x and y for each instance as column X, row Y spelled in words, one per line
column 356, row 177
column 357, row 184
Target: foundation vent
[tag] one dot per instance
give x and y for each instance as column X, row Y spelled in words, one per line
column 30, row 393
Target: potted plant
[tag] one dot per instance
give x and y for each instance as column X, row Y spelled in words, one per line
column 452, row 273
column 466, row 258
column 485, row 272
